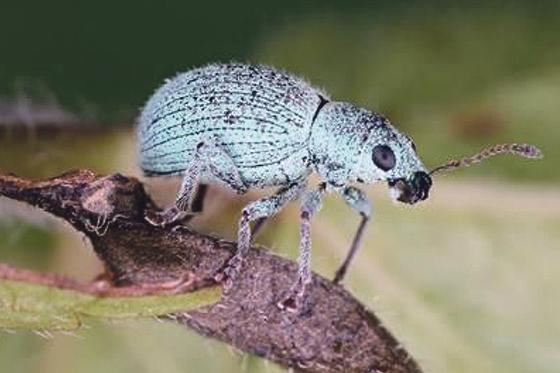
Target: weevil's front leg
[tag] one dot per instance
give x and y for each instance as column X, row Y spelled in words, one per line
column 356, row 199
column 262, row 208
column 311, row 204
column 209, row 157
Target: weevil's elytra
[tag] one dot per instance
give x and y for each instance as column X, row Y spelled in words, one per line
column 252, row 126
column 258, row 115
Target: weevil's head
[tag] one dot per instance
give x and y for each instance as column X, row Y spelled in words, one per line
column 391, row 156
column 356, row 145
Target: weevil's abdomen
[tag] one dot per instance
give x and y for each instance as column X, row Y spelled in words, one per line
column 260, row 116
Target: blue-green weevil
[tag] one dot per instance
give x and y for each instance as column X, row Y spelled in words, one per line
column 253, row 126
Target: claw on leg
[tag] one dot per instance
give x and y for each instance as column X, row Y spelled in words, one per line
column 230, row 272
column 233, row 266
column 167, row 217
column 295, row 297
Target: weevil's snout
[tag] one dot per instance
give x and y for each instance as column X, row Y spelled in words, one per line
column 411, row 190
column 422, row 182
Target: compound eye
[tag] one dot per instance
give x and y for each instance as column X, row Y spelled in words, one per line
column 383, row 157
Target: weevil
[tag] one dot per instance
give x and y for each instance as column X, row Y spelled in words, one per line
column 253, row 126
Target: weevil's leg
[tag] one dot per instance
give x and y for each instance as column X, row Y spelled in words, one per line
column 219, row 164
column 356, row 199
column 213, row 159
column 311, row 204
column 197, row 204
column 262, row 208
column 209, row 157
column 178, row 210
column 257, row 226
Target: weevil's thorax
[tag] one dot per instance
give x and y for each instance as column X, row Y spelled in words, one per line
column 337, row 137
column 342, row 142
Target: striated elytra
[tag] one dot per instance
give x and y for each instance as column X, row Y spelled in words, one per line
column 253, row 126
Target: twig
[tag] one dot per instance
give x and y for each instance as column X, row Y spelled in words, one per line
column 333, row 332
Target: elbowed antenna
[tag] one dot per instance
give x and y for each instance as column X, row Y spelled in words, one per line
column 523, row 150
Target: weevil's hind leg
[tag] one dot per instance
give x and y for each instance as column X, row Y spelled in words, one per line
column 197, row 204
column 179, row 210
column 356, row 199
column 209, row 157
column 311, row 204
column 262, row 208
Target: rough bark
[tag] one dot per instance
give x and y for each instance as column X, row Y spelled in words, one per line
column 332, row 332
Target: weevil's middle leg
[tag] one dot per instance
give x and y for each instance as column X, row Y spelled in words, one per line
column 262, row 208
column 311, row 204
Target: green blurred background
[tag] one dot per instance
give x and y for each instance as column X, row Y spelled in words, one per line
column 468, row 280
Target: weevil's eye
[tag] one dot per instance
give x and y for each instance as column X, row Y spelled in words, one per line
column 383, row 157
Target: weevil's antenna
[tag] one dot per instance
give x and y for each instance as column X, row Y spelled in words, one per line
column 523, row 150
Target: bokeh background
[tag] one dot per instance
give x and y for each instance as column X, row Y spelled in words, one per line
column 468, row 280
